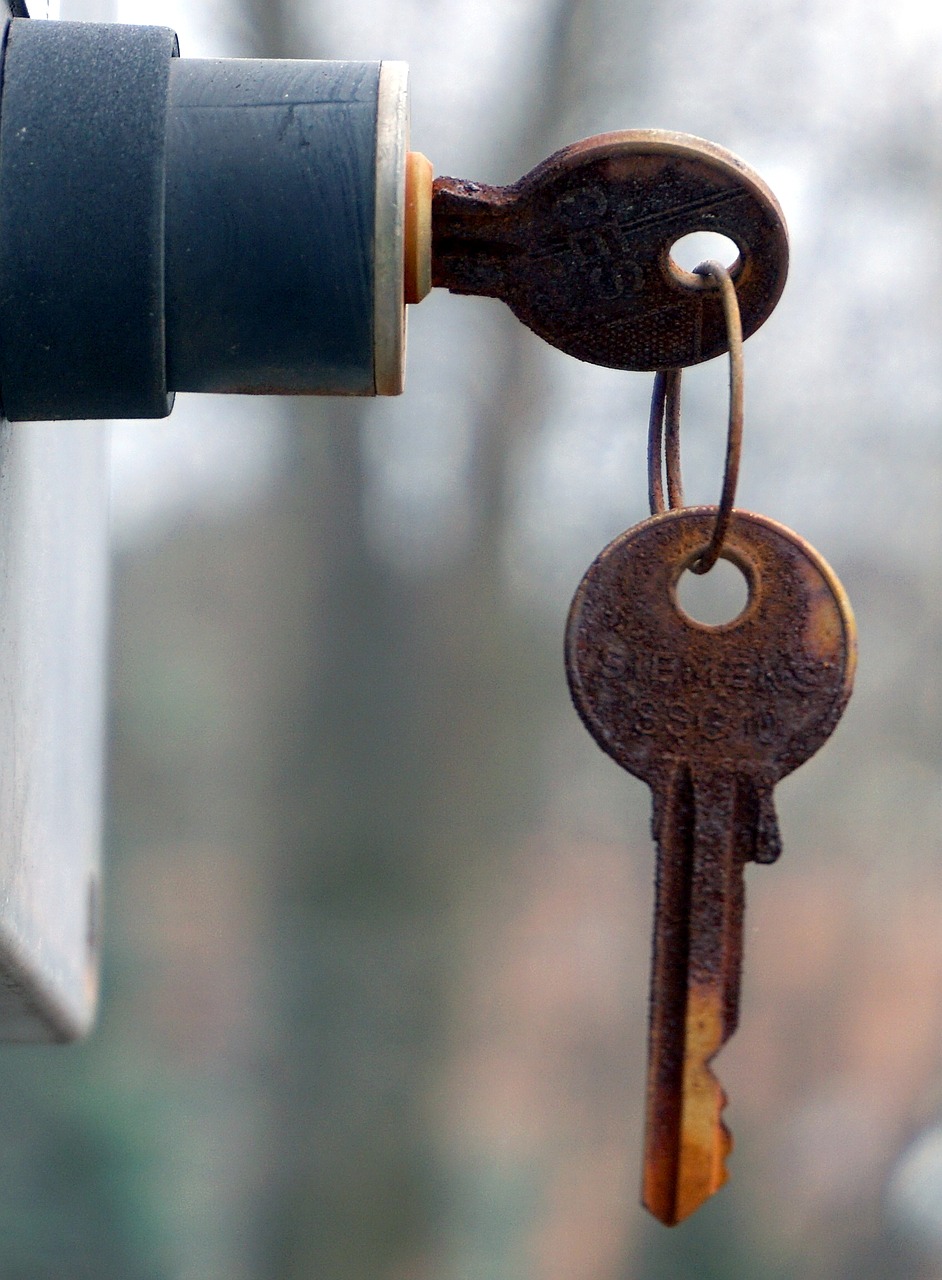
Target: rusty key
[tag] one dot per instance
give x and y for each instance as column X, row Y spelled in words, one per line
column 580, row 248
column 711, row 717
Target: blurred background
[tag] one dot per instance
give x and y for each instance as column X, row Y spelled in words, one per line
column 377, row 909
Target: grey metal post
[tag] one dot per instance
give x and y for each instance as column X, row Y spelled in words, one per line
column 53, row 606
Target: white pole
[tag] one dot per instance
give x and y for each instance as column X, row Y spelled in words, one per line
column 53, row 598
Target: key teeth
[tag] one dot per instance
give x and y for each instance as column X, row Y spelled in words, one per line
column 725, row 1134
column 683, row 1174
column 709, row 1141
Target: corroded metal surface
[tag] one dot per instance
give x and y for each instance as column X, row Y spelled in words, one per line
column 579, row 248
column 711, row 718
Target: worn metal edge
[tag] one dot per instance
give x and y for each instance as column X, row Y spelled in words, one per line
column 389, row 307
column 31, row 1010
column 658, row 141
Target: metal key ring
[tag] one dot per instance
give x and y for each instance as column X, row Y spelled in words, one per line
column 664, row 428
column 665, row 408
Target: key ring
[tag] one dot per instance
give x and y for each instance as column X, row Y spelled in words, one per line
column 664, row 426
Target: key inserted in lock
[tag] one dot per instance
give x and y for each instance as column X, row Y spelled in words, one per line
column 580, row 248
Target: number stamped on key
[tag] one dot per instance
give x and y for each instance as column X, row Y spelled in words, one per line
column 711, row 717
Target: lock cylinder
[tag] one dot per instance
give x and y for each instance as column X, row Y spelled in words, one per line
column 213, row 225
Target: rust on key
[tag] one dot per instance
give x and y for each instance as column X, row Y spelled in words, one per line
column 711, row 717
column 694, row 992
column 580, row 248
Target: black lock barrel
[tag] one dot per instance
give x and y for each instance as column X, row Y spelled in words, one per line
column 193, row 225
column 270, row 192
column 81, row 220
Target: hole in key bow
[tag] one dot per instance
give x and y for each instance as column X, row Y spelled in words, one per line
column 715, row 598
column 690, row 250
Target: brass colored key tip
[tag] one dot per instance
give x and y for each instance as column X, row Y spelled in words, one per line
column 418, row 230
column 686, row 1148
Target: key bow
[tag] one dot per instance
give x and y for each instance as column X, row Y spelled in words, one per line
column 579, row 248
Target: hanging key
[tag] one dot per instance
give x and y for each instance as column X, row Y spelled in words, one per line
column 580, row 248
column 711, row 717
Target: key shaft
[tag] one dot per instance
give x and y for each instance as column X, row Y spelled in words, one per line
column 695, row 972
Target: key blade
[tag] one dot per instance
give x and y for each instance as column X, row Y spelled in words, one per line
column 685, row 1152
column 694, row 990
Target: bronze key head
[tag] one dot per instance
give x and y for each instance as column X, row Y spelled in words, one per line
column 762, row 691
column 580, row 248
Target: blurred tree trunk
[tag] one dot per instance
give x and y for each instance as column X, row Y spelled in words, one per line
column 401, row 749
